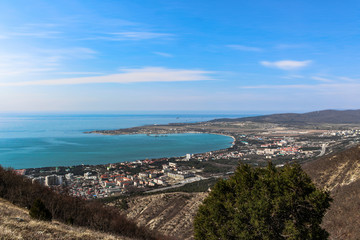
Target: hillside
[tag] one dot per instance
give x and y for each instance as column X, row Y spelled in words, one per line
column 64, row 208
column 340, row 173
column 15, row 223
column 169, row 213
column 325, row 116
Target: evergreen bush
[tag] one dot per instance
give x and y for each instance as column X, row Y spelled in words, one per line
column 263, row 203
column 39, row 211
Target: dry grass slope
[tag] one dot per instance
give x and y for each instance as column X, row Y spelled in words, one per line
column 172, row 213
column 336, row 170
column 168, row 213
column 15, row 223
column 93, row 215
column 340, row 173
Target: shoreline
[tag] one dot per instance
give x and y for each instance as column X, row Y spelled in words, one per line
column 109, row 134
column 227, row 135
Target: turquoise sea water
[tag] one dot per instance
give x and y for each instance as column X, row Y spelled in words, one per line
column 28, row 141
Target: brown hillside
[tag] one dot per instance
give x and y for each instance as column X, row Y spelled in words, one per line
column 21, row 192
column 336, row 170
column 169, row 213
column 15, row 223
column 172, row 213
column 340, row 173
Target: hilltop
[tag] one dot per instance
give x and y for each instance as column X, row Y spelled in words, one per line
column 340, row 173
column 324, row 116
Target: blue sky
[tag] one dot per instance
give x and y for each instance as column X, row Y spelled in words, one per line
column 137, row 55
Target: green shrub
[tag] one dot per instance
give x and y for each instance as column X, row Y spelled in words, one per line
column 263, row 203
column 39, row 211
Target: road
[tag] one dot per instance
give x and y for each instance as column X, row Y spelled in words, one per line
column 323, row 149
column 182, row 183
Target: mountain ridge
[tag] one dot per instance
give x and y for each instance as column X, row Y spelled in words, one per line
column 323, row 116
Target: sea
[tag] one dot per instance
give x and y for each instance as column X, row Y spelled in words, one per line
column 49, row 140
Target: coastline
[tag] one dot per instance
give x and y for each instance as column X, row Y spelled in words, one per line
column 220, row 134
column 167, row 129
column 189, row 132
column 181, row 170
column 71, row 155
column 234, row 139
column 145, row 158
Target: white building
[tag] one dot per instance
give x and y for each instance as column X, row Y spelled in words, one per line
column 52, row 180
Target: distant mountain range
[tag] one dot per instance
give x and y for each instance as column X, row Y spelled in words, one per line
column 324, row 116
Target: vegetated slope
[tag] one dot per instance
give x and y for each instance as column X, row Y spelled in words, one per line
column 20, row 191
column 169, row 213
column 15, row 223
column 340, row 173
column 324, row 116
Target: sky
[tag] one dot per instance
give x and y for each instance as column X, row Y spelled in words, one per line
column 167, row 55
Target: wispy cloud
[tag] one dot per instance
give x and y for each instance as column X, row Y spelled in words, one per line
column 293, row 76
column 322, row 79
column 132, row 35
column 36, row 34
column 327, row 88
column 335, row 79
column 37, row 61
column 33, row 30
column 286, row 64
column 73, row 52
column 244, row 48
column 79, row 73
column 347, row 79
column 289, row 46
column 24, row 64
column 31, row 34
column 42, row 25
column 163, row 54
column 141, row 35
column 294, row 86
column 147, row 74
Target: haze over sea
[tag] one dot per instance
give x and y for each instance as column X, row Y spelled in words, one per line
column 39, row 140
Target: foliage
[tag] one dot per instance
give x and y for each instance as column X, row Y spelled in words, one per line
column 198, row 186
column 39, row 211
column 212, row 166
column 263, row 203
column 123, row 204
column 216, row 169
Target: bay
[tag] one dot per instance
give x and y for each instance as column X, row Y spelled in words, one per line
column 40, row 140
